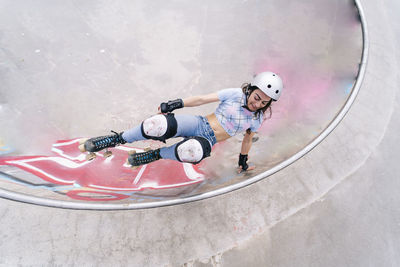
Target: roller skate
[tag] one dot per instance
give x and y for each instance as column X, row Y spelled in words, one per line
column 137, row 159
column 96, row 144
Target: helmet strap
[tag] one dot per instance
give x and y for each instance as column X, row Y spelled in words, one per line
column 247, row 94
column 245, row 105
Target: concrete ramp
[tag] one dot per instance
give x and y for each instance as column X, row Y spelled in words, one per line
column 337, row 205
column 73, row 70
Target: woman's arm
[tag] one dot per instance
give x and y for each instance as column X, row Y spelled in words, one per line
column 192, row 101
column 195, row 101
column 246, row 143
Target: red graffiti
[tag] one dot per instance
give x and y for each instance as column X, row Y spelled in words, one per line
column 66, row 165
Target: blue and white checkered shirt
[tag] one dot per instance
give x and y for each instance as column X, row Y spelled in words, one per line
column 231, row 114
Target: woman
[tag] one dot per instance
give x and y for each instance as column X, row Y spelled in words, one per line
column 240, row 110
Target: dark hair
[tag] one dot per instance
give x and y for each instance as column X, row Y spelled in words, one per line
column 247, row 90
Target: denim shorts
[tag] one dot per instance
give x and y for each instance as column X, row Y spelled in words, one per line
column 205, row 130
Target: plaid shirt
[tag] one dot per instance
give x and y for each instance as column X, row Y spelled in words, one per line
column 231, row 114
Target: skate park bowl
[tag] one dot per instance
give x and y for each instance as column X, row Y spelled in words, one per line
column 80, row 69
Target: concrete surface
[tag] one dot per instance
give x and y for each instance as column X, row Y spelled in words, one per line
column 337, row 206
column 71, row 70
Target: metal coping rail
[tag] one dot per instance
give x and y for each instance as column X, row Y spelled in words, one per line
column 100, row 206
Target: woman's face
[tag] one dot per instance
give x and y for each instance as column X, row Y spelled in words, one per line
column 258, row 99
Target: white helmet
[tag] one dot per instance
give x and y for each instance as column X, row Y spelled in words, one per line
column 270, row 83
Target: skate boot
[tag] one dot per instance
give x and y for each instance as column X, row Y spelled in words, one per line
column 137, row 159
column 102, row 142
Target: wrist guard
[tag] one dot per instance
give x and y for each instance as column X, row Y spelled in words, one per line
column 171, row 105
column 243, row 162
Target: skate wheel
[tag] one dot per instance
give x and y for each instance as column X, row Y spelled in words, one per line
column 147, row 149
column 132, row 152
column 107, row 154
column 82, row 148
column 90, row 156
column 82, row 141
column 134, row 167
column 127, row 162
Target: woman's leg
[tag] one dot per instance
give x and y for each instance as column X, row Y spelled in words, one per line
column 190, row 150
column 161, row 127
column 168, row 152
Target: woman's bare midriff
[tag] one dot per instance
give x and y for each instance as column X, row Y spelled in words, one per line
column 220, row 133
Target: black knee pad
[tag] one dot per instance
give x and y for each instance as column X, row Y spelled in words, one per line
column 168, row 127
column 193, row 149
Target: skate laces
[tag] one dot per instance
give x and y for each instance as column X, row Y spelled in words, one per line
column 146, row 156
column 109, row 140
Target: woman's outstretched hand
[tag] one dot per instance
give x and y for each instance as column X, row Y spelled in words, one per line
column 240, row 169
column 243, row 166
